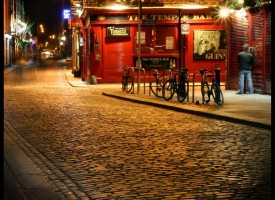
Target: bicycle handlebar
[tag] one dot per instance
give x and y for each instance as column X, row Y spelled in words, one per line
column 126, row 68
column 202, row 71
column 211, row 70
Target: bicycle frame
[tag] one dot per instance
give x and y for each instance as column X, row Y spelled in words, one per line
column 210, row 87
column 179, row 83
column 156, row 85
column 127, row 80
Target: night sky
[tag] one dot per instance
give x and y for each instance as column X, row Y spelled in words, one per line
column 47, row 12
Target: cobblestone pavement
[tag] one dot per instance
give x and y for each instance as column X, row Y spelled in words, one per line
column 92, row 146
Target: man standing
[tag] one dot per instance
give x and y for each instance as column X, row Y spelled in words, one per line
column 245, row 60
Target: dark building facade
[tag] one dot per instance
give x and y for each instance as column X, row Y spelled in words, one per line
column 254, row 29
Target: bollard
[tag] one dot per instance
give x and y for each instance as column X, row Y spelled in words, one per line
column 217, row 77
column 93, row 80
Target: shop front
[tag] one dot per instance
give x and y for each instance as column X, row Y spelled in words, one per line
column 163, row 38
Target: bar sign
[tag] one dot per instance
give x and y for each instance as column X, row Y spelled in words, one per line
column 118, row 31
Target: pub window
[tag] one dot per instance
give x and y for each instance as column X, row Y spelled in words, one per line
column 166, row 39
column 157, row 39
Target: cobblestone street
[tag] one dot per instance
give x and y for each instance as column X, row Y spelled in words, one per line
column 92, row 146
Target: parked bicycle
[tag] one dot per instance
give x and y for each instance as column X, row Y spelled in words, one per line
column 210, row 86
column 127, row 80
column 179, row 83
column 156, row 85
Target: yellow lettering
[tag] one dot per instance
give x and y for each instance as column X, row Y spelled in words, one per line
column 175, row 17
column 166, row 17
column 154, row 17
column 171, row 17
column 208, row 16
column 202, row 17
column 196, row 17
column 215, row 56
column 208, row 56
column 184, row 17
column 133, row 17
column 222, row 56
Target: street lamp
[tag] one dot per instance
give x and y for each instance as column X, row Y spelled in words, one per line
column 40, row 29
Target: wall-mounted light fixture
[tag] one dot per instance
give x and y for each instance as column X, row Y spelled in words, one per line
column 117, row 7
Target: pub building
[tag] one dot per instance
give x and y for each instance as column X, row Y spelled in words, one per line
column 108, row 36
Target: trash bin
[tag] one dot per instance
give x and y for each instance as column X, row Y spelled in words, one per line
column 69, row 63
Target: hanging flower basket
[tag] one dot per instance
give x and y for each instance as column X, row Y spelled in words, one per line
column 252, row 3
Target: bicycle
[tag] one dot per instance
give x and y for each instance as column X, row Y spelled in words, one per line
column 156, row 85
column 209, row 86
column 127, row 80
column 181, row 87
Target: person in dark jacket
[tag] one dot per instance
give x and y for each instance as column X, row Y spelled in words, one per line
column 245, row 60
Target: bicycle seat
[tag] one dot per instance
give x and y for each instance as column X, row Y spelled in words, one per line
column 209, row 75
column 203, row 70
column 156, row 74
column 183, row 69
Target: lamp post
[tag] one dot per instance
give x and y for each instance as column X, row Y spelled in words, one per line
column 139, row 30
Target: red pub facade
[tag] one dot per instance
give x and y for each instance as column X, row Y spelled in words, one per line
column 161, row 37
column 168, row 36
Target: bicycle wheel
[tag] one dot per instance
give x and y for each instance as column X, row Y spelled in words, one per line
column 129, row 82
column 217, row 93
column 168, row 89
column 156, row 88
column 183, row 89
column 205, row 92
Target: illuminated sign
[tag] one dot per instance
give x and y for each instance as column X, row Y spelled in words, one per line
column 118, row 31
column 152, row 19
column 159, row 63
column 66, row 14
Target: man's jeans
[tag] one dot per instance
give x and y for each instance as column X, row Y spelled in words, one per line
column 246, row 74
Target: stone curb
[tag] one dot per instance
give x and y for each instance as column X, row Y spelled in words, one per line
column 194, row 112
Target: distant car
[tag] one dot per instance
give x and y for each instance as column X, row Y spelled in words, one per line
column 46, row 54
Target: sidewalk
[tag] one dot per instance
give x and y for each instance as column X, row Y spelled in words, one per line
column 22, row 178
column 29, row 64
column 249, row 109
